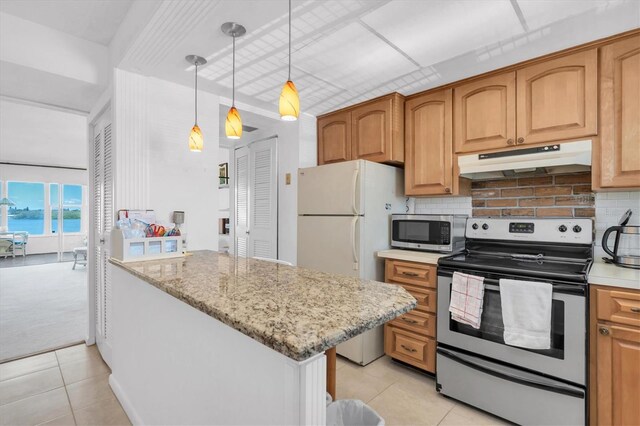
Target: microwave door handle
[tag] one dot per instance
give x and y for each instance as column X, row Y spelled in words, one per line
column 512, row 378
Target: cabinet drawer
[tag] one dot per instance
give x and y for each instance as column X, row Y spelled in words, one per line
column 415, row 274
column 622, row 307
column 411, row 348
column 426, row 298
column 417, row 322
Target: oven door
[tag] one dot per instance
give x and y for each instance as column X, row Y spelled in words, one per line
column 565, row 360
column 410, row 231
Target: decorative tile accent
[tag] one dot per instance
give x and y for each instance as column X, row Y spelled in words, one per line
column 567, row 195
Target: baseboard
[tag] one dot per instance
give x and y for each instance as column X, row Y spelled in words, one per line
column 124, row 401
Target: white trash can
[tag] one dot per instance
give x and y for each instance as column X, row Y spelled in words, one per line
column 352, row 412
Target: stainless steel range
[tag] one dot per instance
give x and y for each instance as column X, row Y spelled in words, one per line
column 526, row 386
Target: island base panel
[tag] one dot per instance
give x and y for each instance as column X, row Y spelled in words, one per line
column 173, row 364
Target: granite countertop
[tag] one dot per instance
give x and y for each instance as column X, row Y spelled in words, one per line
column 412, row 255
column 603, row 273
column 296, row 311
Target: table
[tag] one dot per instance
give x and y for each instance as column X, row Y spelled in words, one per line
column 14, row 237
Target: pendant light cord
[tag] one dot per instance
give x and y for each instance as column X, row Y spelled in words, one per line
column 233, row 73
column 196, row 85
column 289, row 78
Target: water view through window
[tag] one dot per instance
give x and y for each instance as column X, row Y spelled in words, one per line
column 28, row 213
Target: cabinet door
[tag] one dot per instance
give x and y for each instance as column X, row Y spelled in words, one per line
column 619, row 155
column 557, row 99
column 485, row 113
column 428, row 139
column 334, row 138
column 618, row 373
column 376, row 131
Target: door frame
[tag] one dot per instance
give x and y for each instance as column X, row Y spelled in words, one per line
column 92, row 121
column 232, row 194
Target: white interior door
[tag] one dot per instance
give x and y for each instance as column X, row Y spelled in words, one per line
column 101, row 223
column 256, row 200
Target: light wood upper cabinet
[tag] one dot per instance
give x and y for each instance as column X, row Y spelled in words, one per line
column 428, row 136
column 485, row 113
column 619, row 154
column 371, row 131
column 334, row 137
column 557, row 99
column 378, row 130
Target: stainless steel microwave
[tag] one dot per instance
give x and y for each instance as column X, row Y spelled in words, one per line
column 428, row 232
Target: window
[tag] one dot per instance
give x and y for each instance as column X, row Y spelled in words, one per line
column 71, row 207
column 28, row 212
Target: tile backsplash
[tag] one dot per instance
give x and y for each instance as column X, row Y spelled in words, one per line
column 610, row 206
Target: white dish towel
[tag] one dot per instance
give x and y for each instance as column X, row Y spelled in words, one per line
column 467, row 297
column 526, row 313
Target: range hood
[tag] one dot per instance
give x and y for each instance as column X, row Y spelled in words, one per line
column 568, row 157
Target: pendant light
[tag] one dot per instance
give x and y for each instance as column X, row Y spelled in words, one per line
column 289, row 105
column 196, row 141
column 233, row 123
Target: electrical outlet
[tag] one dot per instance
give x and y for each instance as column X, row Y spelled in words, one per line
column 287, row 179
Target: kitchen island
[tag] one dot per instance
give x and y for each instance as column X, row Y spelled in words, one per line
column 213, row 339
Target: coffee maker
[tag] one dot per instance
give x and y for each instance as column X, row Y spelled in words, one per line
column 626, row 244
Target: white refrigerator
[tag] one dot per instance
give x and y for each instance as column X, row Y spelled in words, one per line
column 344, row 218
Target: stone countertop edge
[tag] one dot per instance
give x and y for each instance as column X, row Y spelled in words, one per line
column 607, row 274
column 298, row 352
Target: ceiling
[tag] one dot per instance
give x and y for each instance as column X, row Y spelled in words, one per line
column 347, row 51
column 92, row 20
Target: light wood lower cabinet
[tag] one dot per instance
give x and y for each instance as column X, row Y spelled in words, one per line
column 615, row 356
column 616, row 163
column 411, row 337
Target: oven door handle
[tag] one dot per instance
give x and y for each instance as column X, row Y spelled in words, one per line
column 505, row 376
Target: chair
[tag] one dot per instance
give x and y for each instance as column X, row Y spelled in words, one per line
column 79, row 251
column 20, row 241
column 278, row 261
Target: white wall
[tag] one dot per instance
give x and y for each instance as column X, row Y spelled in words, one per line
column 39, row 135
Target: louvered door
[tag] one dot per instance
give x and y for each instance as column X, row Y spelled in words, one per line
column 263, row 195
column 256, row 200
column 101, row 224
column 242, row 201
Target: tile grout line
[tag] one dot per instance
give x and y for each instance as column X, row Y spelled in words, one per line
column 66, row 391
column 37, row 393
column 445, row 416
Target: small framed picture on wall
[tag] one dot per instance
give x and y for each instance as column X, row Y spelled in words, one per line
column 223, row 173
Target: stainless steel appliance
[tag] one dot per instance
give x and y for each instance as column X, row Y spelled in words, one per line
column 475, row 366
column 428, row 232
column 626, row 243
column 344, row 214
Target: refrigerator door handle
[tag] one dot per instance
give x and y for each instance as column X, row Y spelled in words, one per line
column 354, row 250
column 354, row 188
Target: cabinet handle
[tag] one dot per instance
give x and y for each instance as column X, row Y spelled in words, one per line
column 509, row 141
column 635, row 309
column 520, row 140
column 604, row 331
column 406, row 348
column 447, row 190
column 410, row 321
column 410, row 274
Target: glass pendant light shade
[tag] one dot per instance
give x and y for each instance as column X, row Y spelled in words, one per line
column 289, row 102
column 233, row 124
column 196, row 141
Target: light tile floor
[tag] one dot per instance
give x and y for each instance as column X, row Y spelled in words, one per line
column 403, row 396
column 69, row 386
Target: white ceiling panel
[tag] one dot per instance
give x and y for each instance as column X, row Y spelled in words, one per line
column 434, row 31
column 353, row 56
column 538, row 13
